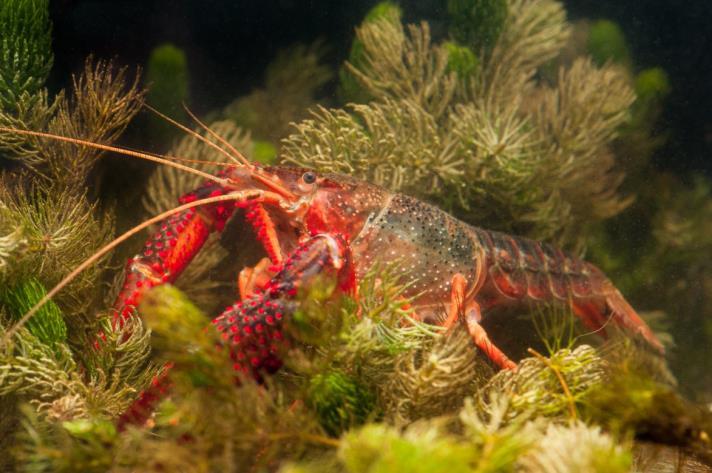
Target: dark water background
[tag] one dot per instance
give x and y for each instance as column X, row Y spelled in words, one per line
column 229, row 43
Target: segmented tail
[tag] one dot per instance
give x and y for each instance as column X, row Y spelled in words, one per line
column 527, row 270
column 625, row 316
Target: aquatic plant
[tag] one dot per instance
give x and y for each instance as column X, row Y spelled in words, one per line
column 26, row 58
column 665, row 261
column 48, row 213
column 477, row 23
column 474, row 124
column 167, row 81
column 497, row 428
column 496, row 146
column 349, row 88
column 290, row 86
column 606, row 42
column 49, row 223
column 636, row 248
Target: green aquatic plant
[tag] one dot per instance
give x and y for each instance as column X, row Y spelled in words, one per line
column 470, row 440
column 501, row 427
column 25, row 49
column 49, row 223
column 72, row 445
column 552, row 387
column 420, row 448
column 48, row 325
column 606, row 42
column 58, row 229
column 595, row 451
column 652, row 84
column 631, row 401
column 477, row 23
column 461, row 60
column 102, row 102
column 499, row 148
column 496, row 429
column 349, row 88
column 291, row 83
column 339, row 401
column 666, row 263
column 167, row 81
column 655, row 250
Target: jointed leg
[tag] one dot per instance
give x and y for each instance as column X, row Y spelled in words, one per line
column 183, row 231
column 472, row 315
column 255, row 278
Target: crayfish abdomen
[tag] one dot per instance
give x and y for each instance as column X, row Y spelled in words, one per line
column 498, row 270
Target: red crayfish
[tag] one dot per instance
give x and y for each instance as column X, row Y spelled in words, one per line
column 312, row 224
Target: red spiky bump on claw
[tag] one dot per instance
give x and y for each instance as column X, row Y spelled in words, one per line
column 145, row 404
column 253, row 328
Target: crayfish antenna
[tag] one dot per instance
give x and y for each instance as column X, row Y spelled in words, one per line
column 118, row 150
column 269, row 181
column 103, row 251
column 238, row 158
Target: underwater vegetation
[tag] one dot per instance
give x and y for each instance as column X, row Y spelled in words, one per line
column 167, row 79
column 516, row 120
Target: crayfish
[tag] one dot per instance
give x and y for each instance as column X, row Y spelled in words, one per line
column 312, row 225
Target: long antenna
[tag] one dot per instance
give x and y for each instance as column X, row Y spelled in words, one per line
column 179, row 159
column 123, row 237
column 238, row 158
column 119, row 150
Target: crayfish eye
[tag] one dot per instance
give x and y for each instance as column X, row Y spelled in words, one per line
column 309, row 177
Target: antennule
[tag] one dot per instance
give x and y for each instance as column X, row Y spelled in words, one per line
column 197, row 136
column 222, row 140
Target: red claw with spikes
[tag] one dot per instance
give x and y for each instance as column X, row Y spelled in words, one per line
column 253, row 327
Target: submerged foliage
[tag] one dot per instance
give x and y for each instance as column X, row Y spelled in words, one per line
column 492, row 123
column 477, row 23
column 496, row 145
column 496, row 427
column 49, row 222
column 290, row 86
column 167, row 79
column 26, row 53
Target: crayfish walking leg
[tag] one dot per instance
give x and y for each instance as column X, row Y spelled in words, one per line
column 472, row 315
